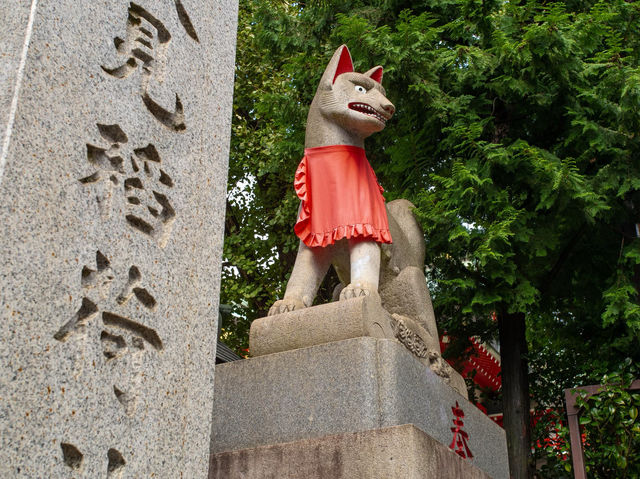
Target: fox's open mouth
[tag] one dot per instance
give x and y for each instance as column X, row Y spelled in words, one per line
column 367, row 110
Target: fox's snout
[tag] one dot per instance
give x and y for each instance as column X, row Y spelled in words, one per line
column 388, row 108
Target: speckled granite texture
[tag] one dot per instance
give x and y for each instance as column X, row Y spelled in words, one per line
column 112, row 208
column 398, row 452
column 325, row 323
column 353, row 385
column 15, row 20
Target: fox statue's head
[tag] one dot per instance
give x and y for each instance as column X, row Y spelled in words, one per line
column 348, row 106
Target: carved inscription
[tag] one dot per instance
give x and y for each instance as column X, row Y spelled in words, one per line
column 152, row 212
column 73, row 459
column 87, row 311
column 120, row 335
column 128, row 401
column 101, row 278
column 183, row 16
column 460, row 437
column 71, row 456
column 115, row 464
column 144, row 48
column 133, row 181
column 109, row 165
column 173, row 120
column 139, row 179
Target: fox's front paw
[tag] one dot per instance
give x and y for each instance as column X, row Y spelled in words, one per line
column 357, row 290
column 285, row 305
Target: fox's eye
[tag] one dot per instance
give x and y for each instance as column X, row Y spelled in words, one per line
column 361, row 89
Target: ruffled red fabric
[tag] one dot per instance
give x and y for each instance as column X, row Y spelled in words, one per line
column 341, row 197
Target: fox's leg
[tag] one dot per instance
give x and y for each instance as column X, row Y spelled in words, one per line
column 308, row 271
column 365, row 269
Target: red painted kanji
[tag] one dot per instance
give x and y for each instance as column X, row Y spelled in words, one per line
column 460, row 437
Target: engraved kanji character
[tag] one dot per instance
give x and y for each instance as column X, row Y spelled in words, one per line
column 145, row 47
column 120, row 335
column 183, row 16
column 73, row 459
column 460, row 437
column 101, row 278
column 153, row 213
column 124, row 336
column 141, row 44
column 109, row 164
column 132, row 288
column 149, row 209
column 87, row 311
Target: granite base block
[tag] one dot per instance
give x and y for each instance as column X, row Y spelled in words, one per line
column 318, row 325
column 346, row 386
column 332, row 322
column 399, row 452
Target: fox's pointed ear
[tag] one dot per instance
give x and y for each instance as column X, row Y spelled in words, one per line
column 340, row 63
column 375, row 74
column 345, row 64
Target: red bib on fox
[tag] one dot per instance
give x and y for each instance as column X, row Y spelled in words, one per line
column 341, row 197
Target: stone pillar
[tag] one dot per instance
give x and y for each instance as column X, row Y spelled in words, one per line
column 114, row 122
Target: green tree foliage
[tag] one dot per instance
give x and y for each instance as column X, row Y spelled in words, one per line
column 538, row 169
column 516, row 136
column 610, row 429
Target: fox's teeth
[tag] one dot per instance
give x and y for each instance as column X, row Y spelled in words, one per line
column 367, row 110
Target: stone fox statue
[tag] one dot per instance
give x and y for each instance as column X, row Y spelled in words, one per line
column 342, row 217
column 376, row 250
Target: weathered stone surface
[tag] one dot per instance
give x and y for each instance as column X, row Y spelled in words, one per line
column 407, row 294
column 347, row 386
column 321, row 324
column 15, row 16
column 408, row 248
column 111, row 218
column 399, row 452
column 352, row 318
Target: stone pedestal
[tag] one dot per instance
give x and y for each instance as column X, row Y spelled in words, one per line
column 322, row 324
column 399, row 452
column 358, row 317
column 114, row 127
column 349, row 386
